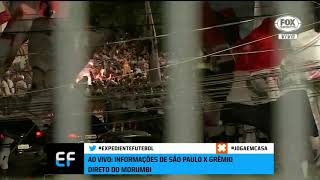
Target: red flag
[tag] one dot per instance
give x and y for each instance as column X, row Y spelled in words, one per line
column 4, row 13
column 262, row 60
column 213, row 36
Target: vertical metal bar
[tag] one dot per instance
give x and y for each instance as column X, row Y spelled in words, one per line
column 183, row 123
column 70, row 33
column 291, row 114
column 155, row 76
column 183, row 115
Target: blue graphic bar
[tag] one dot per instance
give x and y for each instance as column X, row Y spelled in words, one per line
column 179, row 164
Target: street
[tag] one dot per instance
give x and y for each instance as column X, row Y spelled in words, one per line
column 24, row 166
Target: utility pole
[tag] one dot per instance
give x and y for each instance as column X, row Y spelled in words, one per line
column 155, row 76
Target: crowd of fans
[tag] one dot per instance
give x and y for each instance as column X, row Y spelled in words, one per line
column 18, row 80
column 14, row 86
column 117, row 72
column 120, row 72
column 120, row 64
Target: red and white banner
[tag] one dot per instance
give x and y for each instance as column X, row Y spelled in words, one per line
column 4, row 13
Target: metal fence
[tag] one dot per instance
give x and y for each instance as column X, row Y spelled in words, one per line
column 183, row 122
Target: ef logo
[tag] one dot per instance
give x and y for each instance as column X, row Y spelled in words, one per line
column 63, row 159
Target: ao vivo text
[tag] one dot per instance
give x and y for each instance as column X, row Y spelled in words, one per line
column 149, row 159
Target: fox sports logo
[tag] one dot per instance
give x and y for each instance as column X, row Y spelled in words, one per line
column 287, row 23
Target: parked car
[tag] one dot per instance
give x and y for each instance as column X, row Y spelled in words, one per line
column 27, row 136
column 126, row 136
column 97, row 127
column 19, row 136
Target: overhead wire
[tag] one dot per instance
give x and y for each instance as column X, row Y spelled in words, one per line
column 162, row 107
column 216, row 89
column 223, row 74
column 201, row 29
column 237, row 54
column 68, row 84
column 167, row 34
column 213, row 77
column 215, row 102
